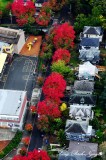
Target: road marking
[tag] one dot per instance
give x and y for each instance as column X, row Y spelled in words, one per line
column 30, row 67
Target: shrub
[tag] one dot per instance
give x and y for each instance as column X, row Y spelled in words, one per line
column 26, row 140
column 40, row 80
column 23, row 151
column 13, row 144
column 33, row 109
column 28, row 127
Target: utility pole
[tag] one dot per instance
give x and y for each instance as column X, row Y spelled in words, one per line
column 10, row 16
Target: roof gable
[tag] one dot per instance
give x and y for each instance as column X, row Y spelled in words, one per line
column 92, row 30
column 84, row 85
column 81, row 112
column 87, row 99
column 73, row 126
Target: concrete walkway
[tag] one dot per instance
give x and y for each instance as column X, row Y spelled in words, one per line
column 6, row 134
column 30, row 119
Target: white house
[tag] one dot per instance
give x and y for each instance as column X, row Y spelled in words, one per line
column 78, row 130
column 92, row 32
column 87, row 71
column 12, row 36
column 81, row 106
column 81, row 112
column 13, row 106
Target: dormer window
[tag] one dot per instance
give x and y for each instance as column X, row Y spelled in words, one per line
column 82, row 100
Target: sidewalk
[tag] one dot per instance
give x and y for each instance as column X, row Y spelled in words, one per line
column 30, row 119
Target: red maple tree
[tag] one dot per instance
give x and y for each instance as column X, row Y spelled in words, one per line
column 28, row 127
column 33, row 109
column 24, row 12
column 26, row 140
column 63, row 36
column 48, row 109
column 57, row 4
column 54, row 86
column 44, row 16
column 61, row 54
column 43, row 122
column 33, row 155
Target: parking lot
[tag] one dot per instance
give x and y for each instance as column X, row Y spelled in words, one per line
column 19, row 75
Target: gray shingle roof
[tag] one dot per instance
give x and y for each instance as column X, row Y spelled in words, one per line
column 88, row 149
column 65, row 155
column 73, row 126
column 84, row 85
column 92, row 30
column 88, row 99
column 90, row 54
column 9, row 36
column 90, row 42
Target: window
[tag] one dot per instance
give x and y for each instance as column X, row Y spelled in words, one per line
column 16, row 125
column 9, row 118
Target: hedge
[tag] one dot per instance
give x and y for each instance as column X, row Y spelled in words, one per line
column 13, row 144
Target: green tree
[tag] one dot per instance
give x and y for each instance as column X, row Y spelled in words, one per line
column 98, row 113
column 102, row 148
column 80, row 6
column 61, row 137
column 93, row 19
column 103, row 98
column 80, row 22
column 61, row 68
column 100, row 3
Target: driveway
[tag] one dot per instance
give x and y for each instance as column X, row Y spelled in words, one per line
column 20, row 75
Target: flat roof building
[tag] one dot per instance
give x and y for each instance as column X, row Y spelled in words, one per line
column 13, row 36
column 12, row 108
column 3, row 57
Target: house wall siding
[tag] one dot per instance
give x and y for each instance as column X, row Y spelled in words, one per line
column 77, row 137
column 21, row 42
column 83, row 92
column 93, row 36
